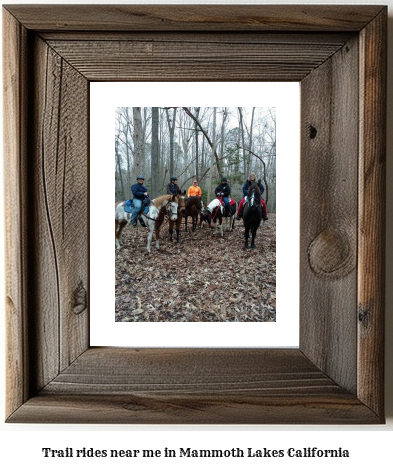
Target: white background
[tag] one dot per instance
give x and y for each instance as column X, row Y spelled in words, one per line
column 370, row 446
column 104, row 97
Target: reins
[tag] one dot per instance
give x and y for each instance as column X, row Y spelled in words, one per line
column 165, row 218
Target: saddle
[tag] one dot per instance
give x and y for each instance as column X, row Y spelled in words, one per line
column 231, row 201
column 128, row 207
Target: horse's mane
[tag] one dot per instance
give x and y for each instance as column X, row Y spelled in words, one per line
column 160, row 200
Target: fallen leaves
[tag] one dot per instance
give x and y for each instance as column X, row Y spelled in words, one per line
column 204, row 278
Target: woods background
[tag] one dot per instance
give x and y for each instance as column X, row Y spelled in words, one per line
column 205, row 143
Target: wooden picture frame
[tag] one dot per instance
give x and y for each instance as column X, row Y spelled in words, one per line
column 338, row 54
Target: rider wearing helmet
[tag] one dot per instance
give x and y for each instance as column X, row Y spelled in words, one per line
column 223, row 190
column 172, row 187
column 139, row 192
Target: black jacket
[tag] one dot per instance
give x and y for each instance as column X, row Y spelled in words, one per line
column 223, row 188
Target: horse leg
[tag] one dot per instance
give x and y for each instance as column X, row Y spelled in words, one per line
column 253, row 233
column 222, row 234
column 119, row 226
column 186, row 224
column 178, row 222
column 117, row 237
column 171, row 230
column 149, row 237
column 246, row 236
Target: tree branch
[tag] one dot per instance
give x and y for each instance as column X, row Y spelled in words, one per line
column 190, row 114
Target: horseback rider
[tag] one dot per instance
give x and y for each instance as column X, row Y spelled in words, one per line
column 252, row 179
column 172, row 188
column 194, row 190
column 223, row 190
column 140, row 198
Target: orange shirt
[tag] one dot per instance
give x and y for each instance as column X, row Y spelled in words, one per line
column 194, row 191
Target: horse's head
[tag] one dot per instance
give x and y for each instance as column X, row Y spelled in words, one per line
column 171, row 209
column 207, row 216
column 182, row 203
column 254, row 196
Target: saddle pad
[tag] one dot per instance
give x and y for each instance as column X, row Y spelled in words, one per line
column 128, row 209
column 127, row 206
column 231, row 201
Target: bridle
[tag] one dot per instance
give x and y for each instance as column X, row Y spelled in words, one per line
column 168, row 210
column 252, row 201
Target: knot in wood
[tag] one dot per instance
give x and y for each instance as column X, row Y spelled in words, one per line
column 80, row 299
column 330, row 254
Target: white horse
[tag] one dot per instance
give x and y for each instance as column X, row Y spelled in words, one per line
column 159, row 208
column 215, row 212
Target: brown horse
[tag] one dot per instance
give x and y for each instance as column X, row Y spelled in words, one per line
column 181, row 208
column 194, row 209
column 159, row 208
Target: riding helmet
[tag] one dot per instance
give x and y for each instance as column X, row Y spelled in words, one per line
column 140, row 176
column 224, row 179
column 173, row 178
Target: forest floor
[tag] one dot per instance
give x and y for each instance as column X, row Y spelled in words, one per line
column 204, row 278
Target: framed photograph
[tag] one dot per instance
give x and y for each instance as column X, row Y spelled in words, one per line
column 337, row 54
column 201, row 275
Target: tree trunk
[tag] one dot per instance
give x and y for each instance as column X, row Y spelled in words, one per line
column 171, row 138
column 197, row 109
column 213, row 154
column 242, row 137
column 212, row 146
column 119, row 168
column 250, row 143
column 155, row 171
column 222, row 140
column 138, row 143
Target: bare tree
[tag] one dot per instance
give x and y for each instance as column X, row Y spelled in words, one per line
column 197, row 109
column 171, row 127
column 138, row 167
column 211, row 143
column 119, row 167
column 154, row 153
column 213, row 154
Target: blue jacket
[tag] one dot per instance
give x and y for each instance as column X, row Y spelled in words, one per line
column 138, row 191
column 248, row 184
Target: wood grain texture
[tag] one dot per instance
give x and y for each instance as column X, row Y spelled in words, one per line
column 372, row 191
column 329, row 174
column 14, row 73
column 60, row 180
column 336, row 375
column 193, row 386
column 195, row 17
column 188, row 59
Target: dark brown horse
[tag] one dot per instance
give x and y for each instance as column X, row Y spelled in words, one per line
column 181, row 208
column 252, row 214
column 193, row 209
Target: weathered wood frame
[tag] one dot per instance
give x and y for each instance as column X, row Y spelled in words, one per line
column 338, row 53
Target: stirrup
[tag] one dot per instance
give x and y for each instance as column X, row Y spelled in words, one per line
column 141, row 221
